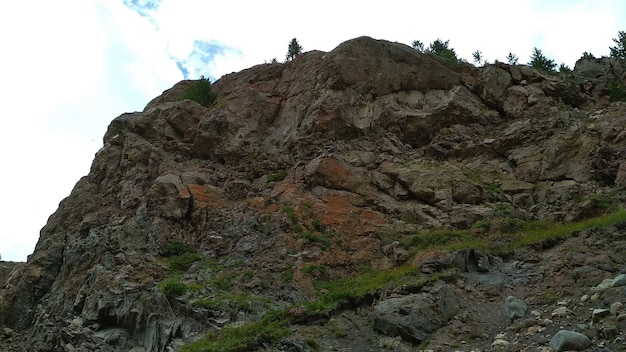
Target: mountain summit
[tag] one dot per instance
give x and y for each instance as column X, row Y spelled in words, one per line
column 369, row 198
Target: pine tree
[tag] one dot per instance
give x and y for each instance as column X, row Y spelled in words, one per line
column 294, row 50
column 541, row 62
column 442, row 49
column 418, row 45
column 619, row 50
column 512, row 59
column 478, row 56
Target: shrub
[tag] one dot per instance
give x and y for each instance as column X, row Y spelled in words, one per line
column 177, row 248
column 201, row 92
column 617, row 91
column 173, row 287
column 184, row 261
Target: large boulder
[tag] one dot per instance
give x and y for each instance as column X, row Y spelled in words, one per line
column 414, row 317
column 566, row 340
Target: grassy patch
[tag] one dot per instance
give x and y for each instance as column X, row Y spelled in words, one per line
column 274, row 324
column 248, row 337
column 177, row 248
column 231, row 302
column 291, row 214
column 172, row 287
column 288, row 276
column 315, row 237
column 316, row 225
column 181, row 263
column 315, row 270
column 333, row 294
column 617, row 92
column 277, row 176
column 348, row 291
column 474, row 176
column 503, row 235
column 223, row 282
column 601, row 201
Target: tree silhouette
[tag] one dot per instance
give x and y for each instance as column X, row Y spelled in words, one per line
column 541, row 62
column 294, row 50
column 619, row 50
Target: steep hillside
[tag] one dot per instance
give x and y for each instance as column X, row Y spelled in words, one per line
column 333, row 202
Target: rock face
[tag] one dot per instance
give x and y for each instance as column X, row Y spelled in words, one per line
column 312, row 169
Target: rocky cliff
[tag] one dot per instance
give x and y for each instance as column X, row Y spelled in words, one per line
column 329, row 167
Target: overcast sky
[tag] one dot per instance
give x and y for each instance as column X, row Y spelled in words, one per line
column 68, row 67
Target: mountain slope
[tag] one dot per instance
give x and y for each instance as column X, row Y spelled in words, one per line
column 194, row 218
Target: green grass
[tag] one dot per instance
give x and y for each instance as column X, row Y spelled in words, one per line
column 291, row 214
column 172, row 287
column 249, row 337
column 277, row 176
column 503, row 235
column 274, row 324
column 316, row 225
column 314, row 237
column 316, row 270
column 222, row 282
column 347, row 292
column 177, row 248
column 181, row 263
column 233, row 302
column 617, row 92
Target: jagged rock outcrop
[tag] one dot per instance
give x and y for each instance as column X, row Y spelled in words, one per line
column 318, row 162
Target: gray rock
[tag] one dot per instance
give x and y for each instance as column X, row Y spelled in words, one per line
column 603, row 286
column 610, row 332
column 566, row 340
column 598, row 314
column 414, row 317
column 619, row 280
column 616, row 308
column 614, row 294
column 514, row 307
column 7, row 332
column 561, row 312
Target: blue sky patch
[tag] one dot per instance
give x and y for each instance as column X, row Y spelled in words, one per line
column 200, row 60
column 143, row 7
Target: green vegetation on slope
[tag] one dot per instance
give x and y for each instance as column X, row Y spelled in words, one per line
column 505, row 234
column 357, row 290
column 201, row 92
